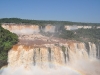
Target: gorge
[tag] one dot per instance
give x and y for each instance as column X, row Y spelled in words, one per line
column 37, row 54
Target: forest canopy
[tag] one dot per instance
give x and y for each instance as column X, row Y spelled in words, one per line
column 42, row 22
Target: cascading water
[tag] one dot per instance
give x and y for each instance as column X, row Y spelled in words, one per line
column 71, row 59
column 92, row 52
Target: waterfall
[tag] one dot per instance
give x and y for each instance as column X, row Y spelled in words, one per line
column 98, row 52
column 92, row 50
column 27, row 60
column 50, row 56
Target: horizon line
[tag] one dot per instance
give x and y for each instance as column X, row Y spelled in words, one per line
column 51, row 20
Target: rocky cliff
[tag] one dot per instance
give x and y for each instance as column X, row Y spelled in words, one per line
column 28, row 29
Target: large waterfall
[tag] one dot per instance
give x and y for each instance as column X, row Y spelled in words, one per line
column 70, row 59
column 36, row 54
column 48, row 57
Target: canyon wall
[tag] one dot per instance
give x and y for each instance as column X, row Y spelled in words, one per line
column 28, row 29
column 20, row 28
column 35, row 50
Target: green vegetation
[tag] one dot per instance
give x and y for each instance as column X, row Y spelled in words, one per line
column 43, row 22
column 7, row 40
column 66, row 34
column 83, row 35
column 92, row 35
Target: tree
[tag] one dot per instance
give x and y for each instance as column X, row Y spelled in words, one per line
column 7, row 40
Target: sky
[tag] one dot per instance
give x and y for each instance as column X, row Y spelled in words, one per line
column 60, row 10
